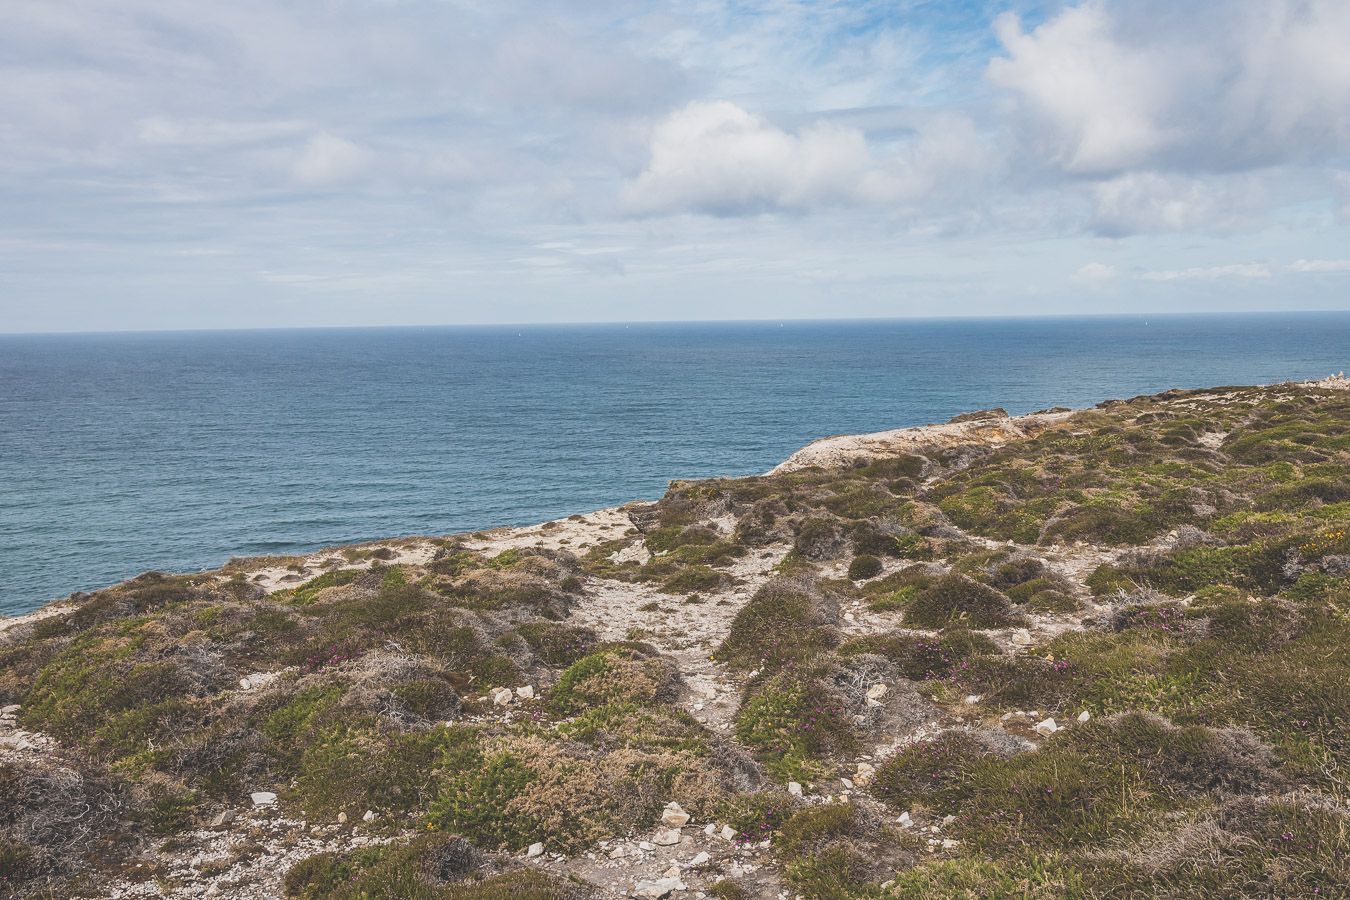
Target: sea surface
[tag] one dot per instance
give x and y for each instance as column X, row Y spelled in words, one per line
column 126, row 452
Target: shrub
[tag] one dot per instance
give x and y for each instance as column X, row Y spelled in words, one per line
column 863, row 568
column 614, row 674
column 789, row 722
column 956, row 598
column 787, row 621
column 932, row 773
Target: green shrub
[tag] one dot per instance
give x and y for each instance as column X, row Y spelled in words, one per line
column 787, row 621
column 958, row 599
column 863, row 568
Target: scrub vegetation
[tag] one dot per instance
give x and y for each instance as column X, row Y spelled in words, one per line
column 1110, row 659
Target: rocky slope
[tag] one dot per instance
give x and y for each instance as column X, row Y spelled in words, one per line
column 1101, row 653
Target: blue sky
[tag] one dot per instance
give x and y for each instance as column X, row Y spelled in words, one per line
column 173, row 164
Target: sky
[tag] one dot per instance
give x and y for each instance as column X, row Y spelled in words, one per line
column 171, row 164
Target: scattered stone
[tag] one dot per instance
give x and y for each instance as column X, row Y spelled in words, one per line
column 972, row 699
column 10, row 711
column 948, row 844
column 646, row 845
column 618, row 852
column 700, row 858
column 525, row 692
column 864, row 773
column 875, row 693
column 794, row 788
column 535, row 849
column 223, row 818
column 905, row 820
column 1046, row 727
column 710, row 829
column 654, row 889
column 728, row 832
column 1084, row 716
column 263, row 798
column 666, row 837
column 342, row 818
column 369, row 816
column 1021, row 638
column 674, row 815
column 501, row 696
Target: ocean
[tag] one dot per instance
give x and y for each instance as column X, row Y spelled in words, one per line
column 121, row 453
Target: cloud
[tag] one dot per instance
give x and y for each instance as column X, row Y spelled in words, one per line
column 1143, row 202
column 1103, row 88
column 328, row 160
column 1211, row 273
column 1095, row 274
column 720, row 159
column 1320, row 265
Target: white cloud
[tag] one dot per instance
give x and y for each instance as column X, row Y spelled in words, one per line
column 718, row 158
column 1108, row 87
column 328, row 160
column 1097, row 100
column 1320, row 265
column 1095, row 274
column 1153, row 202
column 1211, row 273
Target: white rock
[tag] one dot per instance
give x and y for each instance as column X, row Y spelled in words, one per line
column 972, row 699
column 618, row 852
column 342, row 818
column 846, row 782
column 501, row 696
column 654, row 889
column 646, row 845
column 223, row 818
column 794, row 788
column 700, row 858
column 674, row 815
column 1084, row 716
column 525, row 692
column 727, row 832
column 948, row 844
column 875, row 693
column 905, row 820
column 10, row 710
column 1046, row 727
column 666, row 837
column 864, row 773
column 672, row 872
column 535, row 849
column 263, row 798
column 710, row 829
column 369, row 816
column 947, row 820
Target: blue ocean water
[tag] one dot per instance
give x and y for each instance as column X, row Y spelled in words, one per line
column 126, row 452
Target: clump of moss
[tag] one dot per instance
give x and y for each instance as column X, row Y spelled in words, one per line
column 956, row 599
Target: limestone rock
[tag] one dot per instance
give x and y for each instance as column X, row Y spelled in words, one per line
column 674, row 815
column 525, row 692
column 1046, row 727
column 535, row 849
column 654, row 889
column 666, row 837
column 263, row 798
column 794, row 788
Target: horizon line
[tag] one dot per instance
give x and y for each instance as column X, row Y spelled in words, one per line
column 746, row 321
